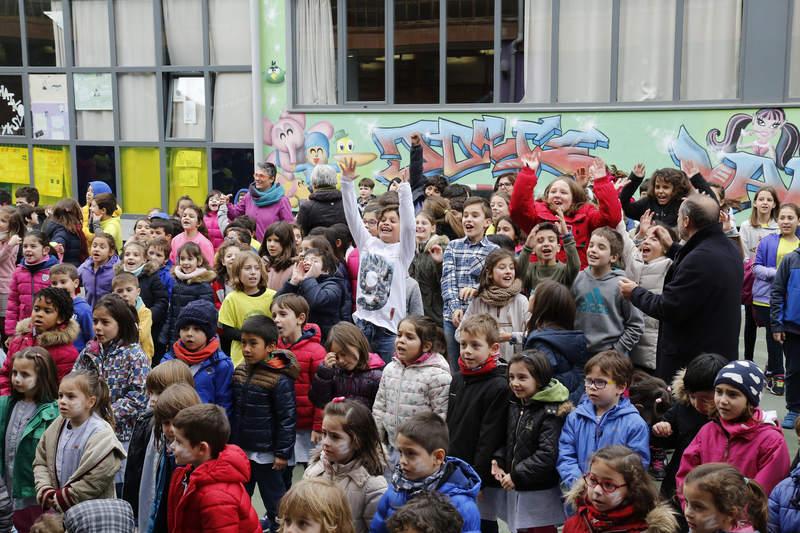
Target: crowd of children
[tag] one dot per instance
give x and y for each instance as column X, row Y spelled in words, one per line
column 441, row 362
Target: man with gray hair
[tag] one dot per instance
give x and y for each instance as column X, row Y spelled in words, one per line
column 324, row 205
column 699, row 307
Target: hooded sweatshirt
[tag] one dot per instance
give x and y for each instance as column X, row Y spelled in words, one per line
column 609, row 321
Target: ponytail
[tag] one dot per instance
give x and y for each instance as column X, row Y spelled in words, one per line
column 91, row 385
column 734, row 495
column 755, row 503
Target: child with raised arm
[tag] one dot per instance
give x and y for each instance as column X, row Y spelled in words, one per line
column 543, row 241
column 381, row 296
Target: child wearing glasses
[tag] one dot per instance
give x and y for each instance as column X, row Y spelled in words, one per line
column 603, row 418
column 618, row 495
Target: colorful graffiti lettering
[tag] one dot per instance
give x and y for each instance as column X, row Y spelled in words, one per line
column 484, row 144
column 744, row 167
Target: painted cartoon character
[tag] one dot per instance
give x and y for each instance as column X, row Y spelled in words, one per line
column 275, row 74
column 762, row 127
column 317, row 151
column 374, row 282
column 287, row 138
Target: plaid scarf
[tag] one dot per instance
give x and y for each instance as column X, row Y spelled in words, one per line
column 412, row 487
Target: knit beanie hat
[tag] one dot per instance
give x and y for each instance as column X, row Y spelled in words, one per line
column 100, row 187
column 744, row 376
column 201, row 313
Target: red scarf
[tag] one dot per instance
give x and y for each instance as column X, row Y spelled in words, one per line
column 192, row 358
column 485, row 368
column 620, row 519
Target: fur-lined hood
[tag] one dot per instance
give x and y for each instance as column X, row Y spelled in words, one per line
column 679, row 391
column 205, row 277
column 63, row 335
column 659, row 520
column 149, row 268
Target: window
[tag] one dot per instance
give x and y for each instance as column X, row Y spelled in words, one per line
column 531, row 51
column 231, row 169
column 794, row 53
column 95, row 163
column 10, row 39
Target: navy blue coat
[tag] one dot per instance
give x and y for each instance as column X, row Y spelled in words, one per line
column 566, row 350
column 198, row 288
column 460, row 484
column 328, row 298
column 264, row 411
column 55, row 232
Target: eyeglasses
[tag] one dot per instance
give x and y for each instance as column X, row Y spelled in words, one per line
column 598, row 384
column 607, row 486
column 371, row 222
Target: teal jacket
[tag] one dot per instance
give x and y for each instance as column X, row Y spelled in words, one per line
column 22, row 476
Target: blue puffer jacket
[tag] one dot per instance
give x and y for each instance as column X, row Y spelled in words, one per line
column 566, row 350
column 264, row 412
column 784, row 505
column 582, row 435
column 212, row 381
column 764, row 267
column 97, row 283
column 460, row 484
column 785, row 297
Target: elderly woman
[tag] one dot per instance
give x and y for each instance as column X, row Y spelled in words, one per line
column 324, row 205
column 264, row 201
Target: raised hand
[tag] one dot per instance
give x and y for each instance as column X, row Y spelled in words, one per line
column 663, row 236
column 530, row 160
column 690, row 168
column 646, row 222
column 348, row 168
column 638, row 170
column 620, row 184
column 597, row 169
column 562, row 224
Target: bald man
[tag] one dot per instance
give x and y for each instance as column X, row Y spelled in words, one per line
column 699, row 308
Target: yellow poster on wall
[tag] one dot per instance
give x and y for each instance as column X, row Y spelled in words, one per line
column 14, row 165
column 50, row 171
column 188, row 175
column 141, row 179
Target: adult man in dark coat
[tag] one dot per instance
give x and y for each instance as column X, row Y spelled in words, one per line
column 700, row 306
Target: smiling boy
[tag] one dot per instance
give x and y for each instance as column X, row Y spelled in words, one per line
column 543, row 241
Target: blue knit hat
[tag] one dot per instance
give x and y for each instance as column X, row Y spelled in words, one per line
column 201, row 313
column 744, row 376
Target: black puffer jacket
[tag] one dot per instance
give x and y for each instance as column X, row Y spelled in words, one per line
column 531, row 449
column 323, row 208
column 477, row 417
column 154, row 295
column 135, row 465
column 360, row 385
column 183, row 292
column 264, row 411
column 71, row 241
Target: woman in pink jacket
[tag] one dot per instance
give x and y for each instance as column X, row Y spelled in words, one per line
column 739, row 436
column 265, row 201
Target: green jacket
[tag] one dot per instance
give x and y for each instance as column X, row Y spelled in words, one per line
column 22, row 477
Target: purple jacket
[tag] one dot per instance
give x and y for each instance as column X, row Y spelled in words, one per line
column 97, row 284
column 764, row 267
column 264, row 216
column 361, row 385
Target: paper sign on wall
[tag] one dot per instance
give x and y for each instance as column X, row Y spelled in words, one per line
column 93, row 92
column 14, row 165
column 49, row 171
column 188, row 159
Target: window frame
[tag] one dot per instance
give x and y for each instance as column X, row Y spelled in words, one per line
column 748, row 94
column 162, row 73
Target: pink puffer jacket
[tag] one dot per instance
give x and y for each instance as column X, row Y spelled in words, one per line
column 25, row 282
column 212, row 226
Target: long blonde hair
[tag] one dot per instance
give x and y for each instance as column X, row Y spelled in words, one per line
column 318, row 500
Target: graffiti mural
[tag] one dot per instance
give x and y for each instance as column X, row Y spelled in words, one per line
column 740, row 149
column 754, row 151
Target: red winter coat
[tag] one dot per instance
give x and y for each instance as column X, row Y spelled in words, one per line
column 25, row 282
column 58, row 343
column 527, row 212
column 215, row 500
column 310, row 354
